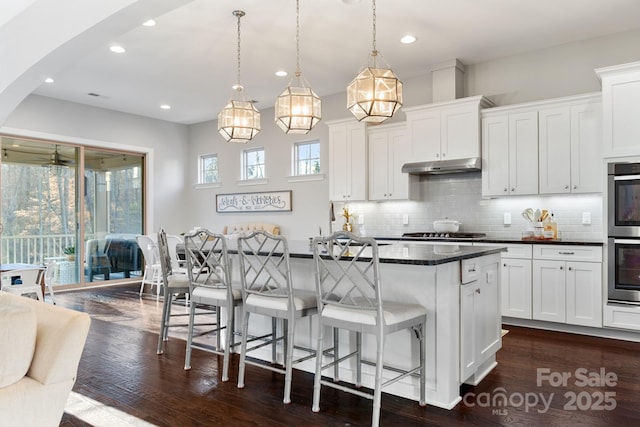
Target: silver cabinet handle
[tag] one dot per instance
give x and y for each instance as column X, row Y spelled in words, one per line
column 575, row 187
column 569, row 269
column 513, row 189
column 505, row 189
column 478, row 291
column 566, row 187
column 566, row 253
column 505, row 264
column 561, row 268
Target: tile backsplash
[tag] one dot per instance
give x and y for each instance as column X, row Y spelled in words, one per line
column 459, row 197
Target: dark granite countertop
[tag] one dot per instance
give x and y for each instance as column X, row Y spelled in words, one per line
column 492, row 240
column 407, row 253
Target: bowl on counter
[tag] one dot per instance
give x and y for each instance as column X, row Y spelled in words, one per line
column 446, row 226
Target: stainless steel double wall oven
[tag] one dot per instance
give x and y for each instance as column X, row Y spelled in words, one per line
column 623, row 195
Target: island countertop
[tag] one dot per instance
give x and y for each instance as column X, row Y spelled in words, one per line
column 403, row 253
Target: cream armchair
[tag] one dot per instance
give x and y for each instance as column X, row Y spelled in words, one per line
column 40, row 348
column 249, row 227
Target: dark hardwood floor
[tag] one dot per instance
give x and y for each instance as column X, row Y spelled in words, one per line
column 120, row 368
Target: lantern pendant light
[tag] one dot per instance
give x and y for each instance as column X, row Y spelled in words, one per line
column 376, row 93
column 239, row 120
column 298, row 109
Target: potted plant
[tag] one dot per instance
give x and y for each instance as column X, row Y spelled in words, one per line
column 70, row 252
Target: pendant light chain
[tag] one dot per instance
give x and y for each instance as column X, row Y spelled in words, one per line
column 298, row 38
column 375, row 50
column 239, row 15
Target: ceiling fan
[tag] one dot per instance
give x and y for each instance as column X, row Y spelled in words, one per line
column 56, row 160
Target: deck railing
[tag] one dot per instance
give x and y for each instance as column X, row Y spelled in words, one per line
column 34, row 249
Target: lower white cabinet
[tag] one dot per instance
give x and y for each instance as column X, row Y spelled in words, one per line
column 480, row 320
column 516, row 282
column 567, row 291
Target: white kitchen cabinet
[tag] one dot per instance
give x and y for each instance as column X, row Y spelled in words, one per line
column 620, row 105
column 567, row 284
column 549, row 291
column 480, row 320
column 447, row 130
column 516, row 287
column 389, row 149
column 347, row 160
column 570, row 155
column 584, row 293
column 509, row 152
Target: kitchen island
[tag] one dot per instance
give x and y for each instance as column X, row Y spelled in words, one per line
column 459, row 286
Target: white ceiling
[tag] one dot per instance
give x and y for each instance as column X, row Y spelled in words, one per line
column 188, row 60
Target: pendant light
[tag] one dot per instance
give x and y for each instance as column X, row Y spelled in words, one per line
column 239, row 120
column 376, row 93
column 298, row 109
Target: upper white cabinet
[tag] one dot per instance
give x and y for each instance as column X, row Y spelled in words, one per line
column 570, row 154
column 389, row 149
column 446, row 130
column 509, row 152
column 620, row 105
column 544, row 147
column 347, row 160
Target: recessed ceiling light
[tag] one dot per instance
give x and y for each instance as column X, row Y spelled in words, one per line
column 149, row 23
column 281, row 73
column 408, row 39
column 117, row 49
column 165, row 107
column 48, row 80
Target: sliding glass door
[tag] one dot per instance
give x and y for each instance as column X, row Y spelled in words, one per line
column 43, row 186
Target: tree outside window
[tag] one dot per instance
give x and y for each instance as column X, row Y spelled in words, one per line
column 306, row 158
column 254, row 165
column 208, row 169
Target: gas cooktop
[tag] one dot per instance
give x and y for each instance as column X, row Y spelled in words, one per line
column 431, row 235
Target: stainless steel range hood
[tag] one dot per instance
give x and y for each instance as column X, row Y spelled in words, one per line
column 472, row 164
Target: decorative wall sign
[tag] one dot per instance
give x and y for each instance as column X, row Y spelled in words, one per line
column 268, row 201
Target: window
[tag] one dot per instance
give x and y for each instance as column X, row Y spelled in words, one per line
column 208, row 169
column 306, row 158
column 253, row 164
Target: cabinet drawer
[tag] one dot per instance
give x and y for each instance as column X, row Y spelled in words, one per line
column 568, row 253
column 523, row 251
column 469, row 270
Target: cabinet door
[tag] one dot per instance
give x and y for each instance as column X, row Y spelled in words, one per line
column 399, row 154
column 468, row 336
column 523, row 153
column 495, row 156
column 621, row 102
column 549, row 290
column 424, row 129
column 338, row 162
column 554, row 139
column 378, row 165
column 488, row 319
column 357, row 166
column 587, row 166
column 584, row 293
column 347, row 161
column 460, row 132
column 516, row 288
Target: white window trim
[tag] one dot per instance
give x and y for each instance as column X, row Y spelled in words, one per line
column 200, row 172
column 243, row 171
column 294, row 158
